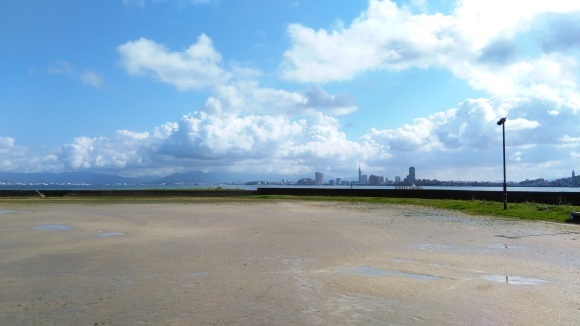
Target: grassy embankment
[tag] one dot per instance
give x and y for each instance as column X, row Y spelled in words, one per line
column 524, row 211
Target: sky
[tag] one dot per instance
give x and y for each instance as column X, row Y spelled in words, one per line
column 288, row 88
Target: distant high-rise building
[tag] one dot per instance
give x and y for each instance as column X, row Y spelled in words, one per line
column 319, row 178
column 397, row 179
column 376, row 180
column 363, row 179
column 359, row 175
column 337, row 181
column 410, row 179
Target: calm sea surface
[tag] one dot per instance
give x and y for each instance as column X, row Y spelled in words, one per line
column 254, row 187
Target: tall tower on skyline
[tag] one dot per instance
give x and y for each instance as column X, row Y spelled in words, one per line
column 359, row 174
column 412, row 175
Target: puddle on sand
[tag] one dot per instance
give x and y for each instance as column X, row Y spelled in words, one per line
column 516, row 280
column 109, row 234
column 502, row 246
column 407, row 261
column 412, row 261
column 442, row 247
column 463, row 249
column 52, row 227
column 370, row 271
column 6, row 212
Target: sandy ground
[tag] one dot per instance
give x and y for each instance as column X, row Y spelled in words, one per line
column 280, row 262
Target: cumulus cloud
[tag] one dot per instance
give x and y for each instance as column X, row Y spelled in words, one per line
column 126, row 149
column 235, row 88
column 459, row 143
column 272, row 144
column 318, row 99
column 250, row 98
column 567, row 139
column 477, row 42
column 197, row 67
column 462, row 141
column 467, row 138
column 14, row 158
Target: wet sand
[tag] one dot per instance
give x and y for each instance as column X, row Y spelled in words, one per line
column 282, row 262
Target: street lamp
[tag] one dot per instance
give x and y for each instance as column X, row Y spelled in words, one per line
column 501, row 123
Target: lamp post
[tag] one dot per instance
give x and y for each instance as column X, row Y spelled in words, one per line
column 501, row 123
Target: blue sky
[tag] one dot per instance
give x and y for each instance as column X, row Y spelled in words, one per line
column 287, row 88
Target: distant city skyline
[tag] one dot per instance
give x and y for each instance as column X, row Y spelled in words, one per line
column 411, row 179
column 8, row 179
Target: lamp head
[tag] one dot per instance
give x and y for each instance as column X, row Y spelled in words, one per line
column 501, row 121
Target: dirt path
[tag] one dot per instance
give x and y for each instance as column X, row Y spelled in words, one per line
column 282, row 263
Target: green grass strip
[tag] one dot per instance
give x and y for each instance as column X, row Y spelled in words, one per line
column 524, row 211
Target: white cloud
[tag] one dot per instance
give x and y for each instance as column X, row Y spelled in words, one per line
column 126, row 149
column 14, row 158
column 222, row 141
column 248, row 97
column 484, row 21
column 318, row 99
column 6, row 143
column 478, row 42
column 88, row 77
column 520, row 123
column 197, row 67
column 460, row 143
column 463, row 141
column 235, row 89
column 569, row 139
column 467, row 138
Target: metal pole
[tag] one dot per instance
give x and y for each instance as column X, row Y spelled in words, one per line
column 504, row 174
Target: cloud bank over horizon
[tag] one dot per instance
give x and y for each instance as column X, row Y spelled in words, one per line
column 519, row 53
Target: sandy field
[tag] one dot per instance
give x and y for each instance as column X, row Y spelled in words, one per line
column 282, row 263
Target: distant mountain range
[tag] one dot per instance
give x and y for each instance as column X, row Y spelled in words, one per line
column 102, row 178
